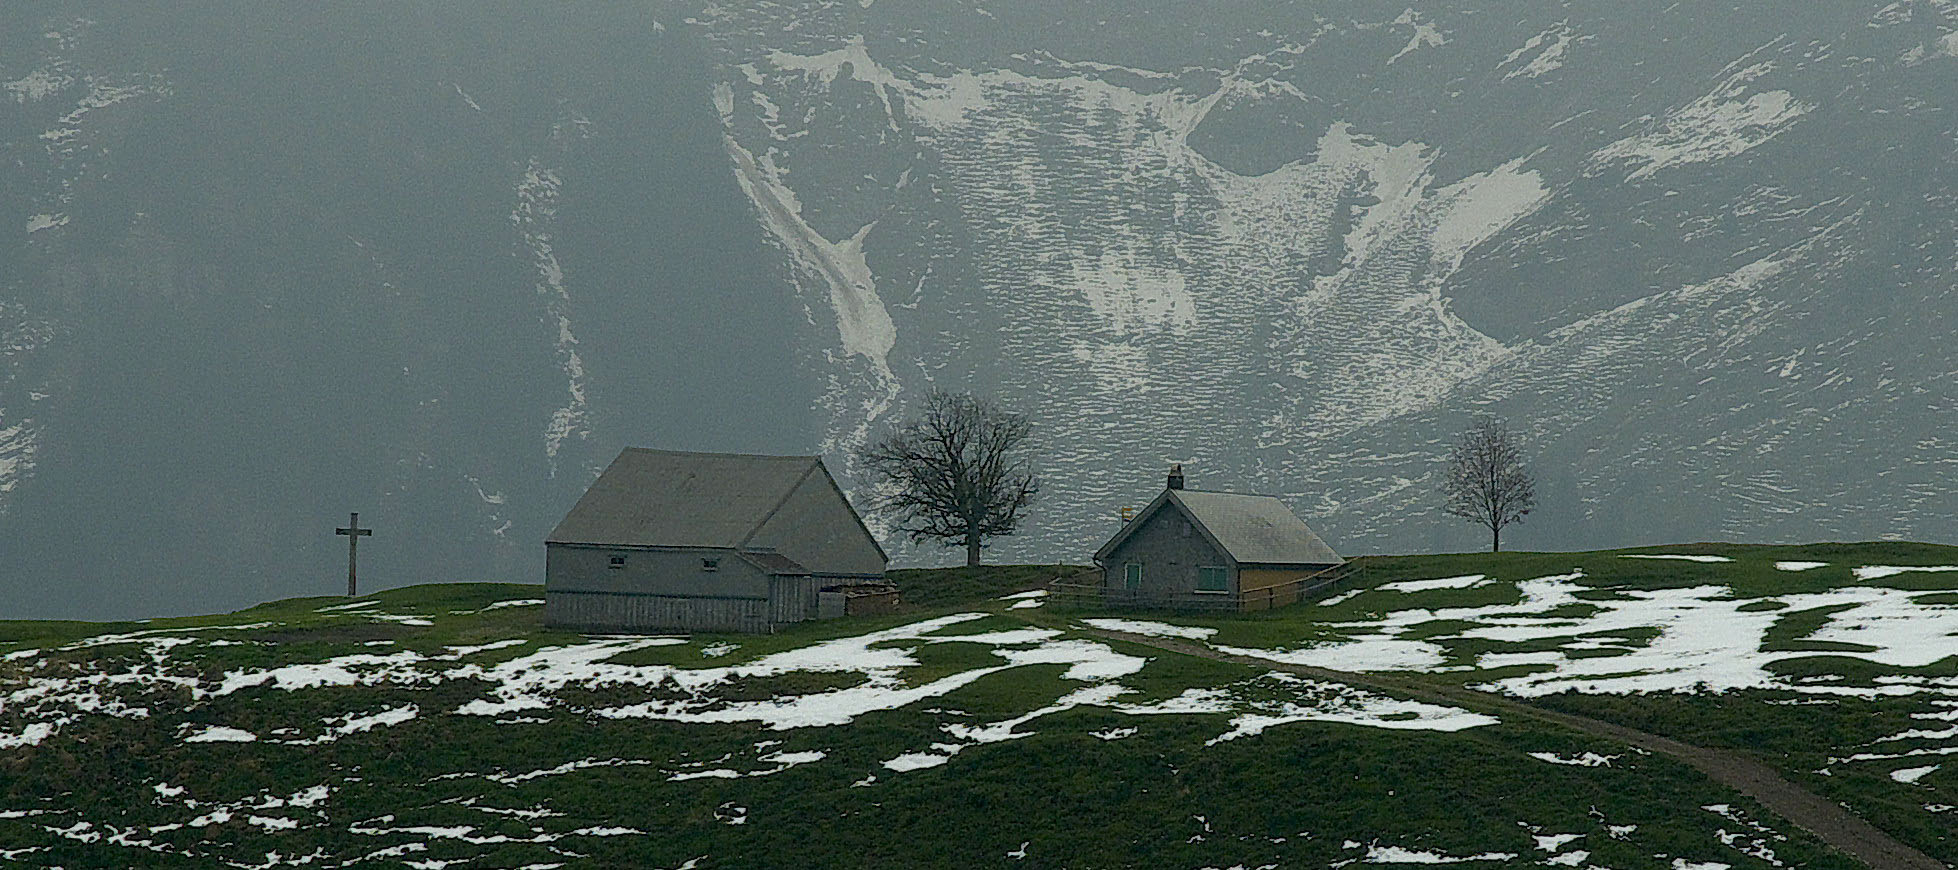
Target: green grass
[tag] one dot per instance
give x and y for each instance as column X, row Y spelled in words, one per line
column 1294, row 795
column 929, row 588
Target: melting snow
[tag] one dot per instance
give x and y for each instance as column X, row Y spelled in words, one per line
column 1378, row 854
column 341, row 726
column 1680, row 558
column 1463, row 582
column 1723, row 123
column 1912, row 774
column 1550, row 59
column 781, row 761
column 1704, row 637
column 357, row 605
column 1425, row 35
column 39, row 222
column 1151, row 629
column 460, row 651
column 1554, row 842
column 1875, row 572
column 38, row 85
column 1588, row 759
column 1334, row 702
column 1799, row 566
column 221, row 734
column 32, row 735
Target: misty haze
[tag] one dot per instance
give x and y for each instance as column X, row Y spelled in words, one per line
column 1116, row 433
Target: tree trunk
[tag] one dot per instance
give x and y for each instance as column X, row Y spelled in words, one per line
column 1495, row 540
column 972, row 549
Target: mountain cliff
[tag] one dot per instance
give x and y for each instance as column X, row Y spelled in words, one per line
column 438, row 263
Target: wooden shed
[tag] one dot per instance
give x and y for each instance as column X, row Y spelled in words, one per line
column 1197, row 550
column 674, row 541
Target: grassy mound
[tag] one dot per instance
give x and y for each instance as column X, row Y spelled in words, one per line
column 444, row 726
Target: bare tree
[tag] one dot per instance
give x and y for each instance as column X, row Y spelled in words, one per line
column 1487, row 482
column 957, row 473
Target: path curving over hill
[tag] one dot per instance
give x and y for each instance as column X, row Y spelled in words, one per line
column 1830, row 822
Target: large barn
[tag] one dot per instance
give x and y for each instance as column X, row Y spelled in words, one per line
column 1212, row 550
column 671, row 541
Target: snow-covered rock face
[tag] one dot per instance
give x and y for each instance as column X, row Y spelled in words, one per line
column 1300, row 253
column 1703, row 259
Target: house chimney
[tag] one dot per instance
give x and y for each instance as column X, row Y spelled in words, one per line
column 1176, row 476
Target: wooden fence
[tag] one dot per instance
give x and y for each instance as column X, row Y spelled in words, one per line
column 1338, row 578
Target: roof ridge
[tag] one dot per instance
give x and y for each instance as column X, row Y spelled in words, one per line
column 664, row 452
column 786, row 495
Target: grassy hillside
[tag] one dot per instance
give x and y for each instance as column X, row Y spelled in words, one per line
column 442, row 726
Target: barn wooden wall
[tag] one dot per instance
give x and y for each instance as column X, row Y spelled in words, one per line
column 625, row 611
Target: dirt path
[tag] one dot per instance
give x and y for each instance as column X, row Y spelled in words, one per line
column 1828, row 821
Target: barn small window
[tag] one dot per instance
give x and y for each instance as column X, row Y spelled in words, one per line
column 1132, row 575
column 617, row 563
column 710, row 564
column 1211, row 579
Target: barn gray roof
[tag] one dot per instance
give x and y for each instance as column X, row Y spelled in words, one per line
column 773, row 563
column 666, row 498
column 1251, row 529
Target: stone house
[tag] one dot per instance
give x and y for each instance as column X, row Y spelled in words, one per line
column 1212, row 551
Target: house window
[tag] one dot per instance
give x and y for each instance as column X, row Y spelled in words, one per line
column 1132, row 575
column 710, row 564
column 617, row 563
column 1213, row 579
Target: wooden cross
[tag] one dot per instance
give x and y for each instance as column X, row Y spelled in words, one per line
column 353, row 531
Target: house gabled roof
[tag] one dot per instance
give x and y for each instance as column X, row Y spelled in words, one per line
column 1251, row 529
column 666, row 498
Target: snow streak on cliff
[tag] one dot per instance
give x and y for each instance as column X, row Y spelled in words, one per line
column 1298, row 255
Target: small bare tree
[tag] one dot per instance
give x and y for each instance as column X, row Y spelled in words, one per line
column 957, row 473
column 1487, row 482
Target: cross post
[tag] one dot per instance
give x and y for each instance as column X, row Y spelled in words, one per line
column 354, row 532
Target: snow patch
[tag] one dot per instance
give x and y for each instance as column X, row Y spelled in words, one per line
column 38, row 85
column 39, row 222
column 1426, row 35
column 1133, row 296
column 1151, row 629
column 864, row 326
column 221, row 734
column 1378, row 854
column 1475, row 209
column 539, row 192
column 1466, row 581
column 1911, row 775
column 1679, row 558
column 1723, row 123
column 1586, row 759
column 1550, row 59
column 1702, row 638
column 1875, row 572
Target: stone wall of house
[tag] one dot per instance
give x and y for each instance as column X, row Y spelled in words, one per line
column 1170, row 549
